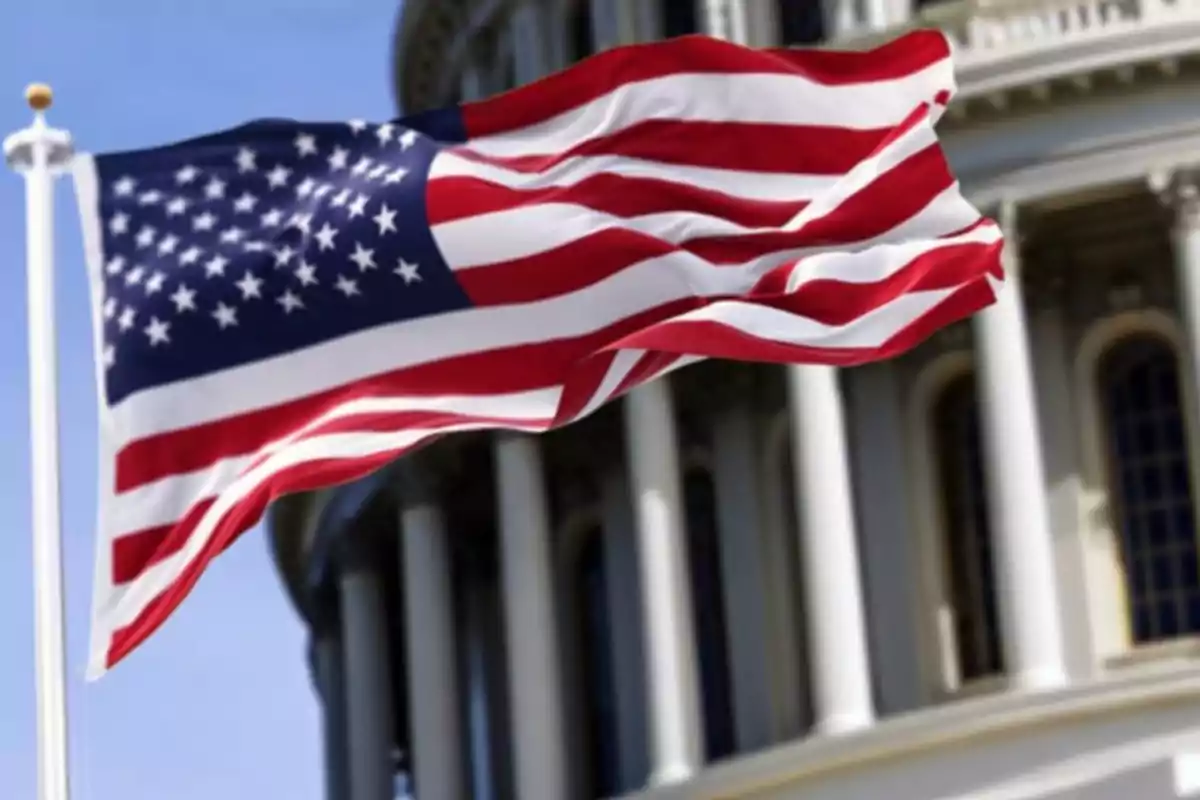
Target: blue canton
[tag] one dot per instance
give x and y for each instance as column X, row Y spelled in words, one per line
column 265, row 239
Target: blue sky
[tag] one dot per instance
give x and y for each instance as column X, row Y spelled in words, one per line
column 218, row 704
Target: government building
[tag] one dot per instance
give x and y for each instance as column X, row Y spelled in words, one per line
column 969, row 572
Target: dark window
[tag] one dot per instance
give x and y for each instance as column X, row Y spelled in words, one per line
column 596, row 666
column 801, row 21
column 678, row 17
column 1150, row 484
column 708, row 601
column 579, row 23
column 969, row 566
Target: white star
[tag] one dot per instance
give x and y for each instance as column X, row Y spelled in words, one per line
column 250, row 286
column 337, row 159
column 186, row 174
column 347, row 286
column 110, row 356
column 340, row 199
column 154, row 283
column 325, row 237
column 289, row 301
column 322, row 190
column 215, row 189
column 300, row 222
column 124, row 187
column 134, row 276
column 190, row 256
column 284, row 255
column 145, row 236
column 168, row 245
column 204, row 222
column 357, row 207
column 226, row 316
column 305, row 187
column 127, row 318
column 118, row 224
column 306, row 145
column 232, row 235
column 272, row 218
column 357, row 126
column 158, row 331
column 361, row 166
column 245, row 204
column 396, row 175
column 216, row 266
column 408, row 139
column 385, row 219
column 149, row 198
column 364, row 258
column 115, row 265
column 176, row 206
column 384, row 133
column 278, row 176
column 110, row 308
column 245, row 160
column 305, row 273
column 408, row 271
column 184, row 299
column 255, row 247
column 377, row 172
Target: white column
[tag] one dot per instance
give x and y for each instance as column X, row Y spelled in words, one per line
column 837, row 642
column 675, row 733
column 535, row 689
column 432, row 671
column 1024, row 557
column 1182, row 192
column 841, row 18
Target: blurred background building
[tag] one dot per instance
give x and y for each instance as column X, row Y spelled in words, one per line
column 972, row 570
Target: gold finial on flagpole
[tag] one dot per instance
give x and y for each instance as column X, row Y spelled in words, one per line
column 39, row 96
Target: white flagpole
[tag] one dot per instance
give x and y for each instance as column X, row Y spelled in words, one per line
column 39, row 153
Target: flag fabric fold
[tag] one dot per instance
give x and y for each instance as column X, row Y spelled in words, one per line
column 286, row 305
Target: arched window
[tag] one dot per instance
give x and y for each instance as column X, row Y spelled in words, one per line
column 1150, row 487
column 579, row 27
column 677, row 17
column 708, row 602
column 800, row 21
column 595, row 663
column 967, row 538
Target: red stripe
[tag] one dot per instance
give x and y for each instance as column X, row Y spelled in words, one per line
column 891, row 199
column 597, row 76
column 133, row 553
column 499, row 371
column 737, row 146
column 450, row 199
column 713, row 338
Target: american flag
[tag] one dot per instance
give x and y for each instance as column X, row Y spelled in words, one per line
column 285, row 306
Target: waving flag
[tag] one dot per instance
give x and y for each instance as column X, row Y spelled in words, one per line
column 285, row 306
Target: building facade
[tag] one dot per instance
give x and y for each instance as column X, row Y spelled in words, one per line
column 969, row 571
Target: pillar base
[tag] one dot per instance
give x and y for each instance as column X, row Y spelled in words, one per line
column 670, row 774
column 843, row 724
column 1040, row 680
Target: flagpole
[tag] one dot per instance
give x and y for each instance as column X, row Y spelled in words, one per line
column 39, row 153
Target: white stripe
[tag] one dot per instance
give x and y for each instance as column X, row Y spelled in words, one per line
column 164, row 501
column 404, row 344
column 771, row 99
column 868, row 331
column 779, row 187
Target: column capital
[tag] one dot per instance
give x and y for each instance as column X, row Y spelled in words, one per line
column 1179, row 190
